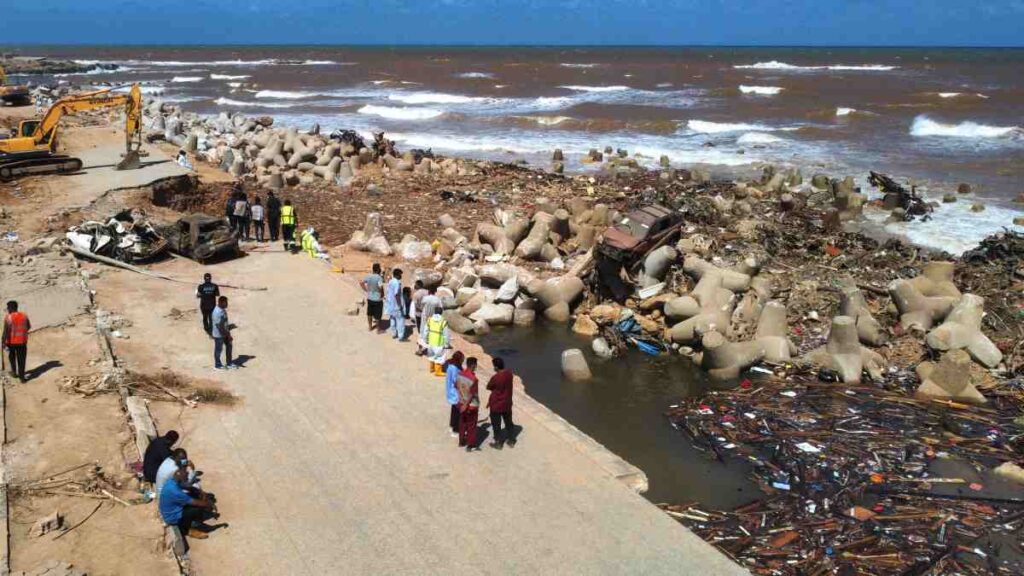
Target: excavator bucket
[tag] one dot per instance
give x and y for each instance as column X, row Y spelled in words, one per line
column 129, row 161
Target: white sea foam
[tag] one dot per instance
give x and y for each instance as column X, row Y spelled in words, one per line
column 547, row 120
column 925, row 126
column 776, row 65
column 578, row 88
column 664, row 85
column 229, row 102
column 234, row 84
column 285, row 94
column 578, row 65
column 173, row 63
column 94, row 71
column 760, row 90
column 229, row 76
column 948, row 94
column 475, row 75
column 433, row 98
column 845, row 111
column 751, row 138
column 953, row 227
column 705, row 127
column 401, row 113
column 181, row 79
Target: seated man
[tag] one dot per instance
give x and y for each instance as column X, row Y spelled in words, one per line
column 179, row 509
column 158, row 450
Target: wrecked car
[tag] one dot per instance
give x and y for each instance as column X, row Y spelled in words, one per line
column 628, row 241
column 126, row 236
column 201, row 238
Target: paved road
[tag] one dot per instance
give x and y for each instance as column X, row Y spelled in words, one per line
column 338, row 459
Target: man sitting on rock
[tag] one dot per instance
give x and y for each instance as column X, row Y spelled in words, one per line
column 157, row 451
column 178, row 508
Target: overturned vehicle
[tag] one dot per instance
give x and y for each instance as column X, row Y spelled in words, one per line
column 126, row 236
column 201, row 238
column 623, row 250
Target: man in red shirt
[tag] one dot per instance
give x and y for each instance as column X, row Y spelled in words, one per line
column 15, row 339
column 469, row 405
column 500, row 405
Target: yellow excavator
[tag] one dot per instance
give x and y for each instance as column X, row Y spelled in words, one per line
column 32, row 148
column 13, row 93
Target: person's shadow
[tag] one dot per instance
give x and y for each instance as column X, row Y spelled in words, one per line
column 241, row 359
column 484, row 430
column 42, row 369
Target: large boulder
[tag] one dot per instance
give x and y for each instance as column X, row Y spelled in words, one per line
column 458, row 323
column 584, row 326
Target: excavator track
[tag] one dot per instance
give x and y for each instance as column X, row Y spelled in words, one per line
column 10, row 170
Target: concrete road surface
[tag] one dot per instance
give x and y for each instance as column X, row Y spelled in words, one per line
column 338, row 459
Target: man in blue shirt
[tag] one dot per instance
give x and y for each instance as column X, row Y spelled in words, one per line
column 179, row 509
column 373, row 286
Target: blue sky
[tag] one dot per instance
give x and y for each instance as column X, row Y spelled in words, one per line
column 679, row 22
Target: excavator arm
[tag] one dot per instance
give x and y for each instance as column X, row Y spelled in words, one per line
column 45, row 130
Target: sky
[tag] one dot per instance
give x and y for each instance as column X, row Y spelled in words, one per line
column 520, row 22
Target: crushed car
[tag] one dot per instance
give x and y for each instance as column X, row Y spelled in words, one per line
column 126, row 236
column 201, row 238
column 628, row 241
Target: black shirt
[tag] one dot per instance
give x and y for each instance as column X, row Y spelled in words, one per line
column 273, row 205
column 208, row 293
column 159, row 449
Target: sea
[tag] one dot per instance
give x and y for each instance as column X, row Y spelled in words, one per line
column 933, row 118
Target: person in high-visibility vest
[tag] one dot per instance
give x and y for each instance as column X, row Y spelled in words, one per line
column 288, row 221
column 15, row 339
column 438, row 338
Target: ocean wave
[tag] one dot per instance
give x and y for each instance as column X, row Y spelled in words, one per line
column 401, row 113
column 706, row 127
column 578, row 65
column 776, row 65
column 180, row 79
column 95, row 70
column 229, row 102
column 953, row 228
column 664, row 85
column 845, row 111
column 235, row 84
column 577, row 88
column 229, row 76
column 475, row 75
column 548, row 120
column 760, row 90
column 261, row 62
column 433, row 98
column 751, row 138
column 925, row 126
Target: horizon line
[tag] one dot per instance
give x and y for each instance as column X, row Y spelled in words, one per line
column 508, row 45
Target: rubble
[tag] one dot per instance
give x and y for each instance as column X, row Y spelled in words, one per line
column 126, row 236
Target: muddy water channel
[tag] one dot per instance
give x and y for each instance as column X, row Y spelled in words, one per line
column 622, row 407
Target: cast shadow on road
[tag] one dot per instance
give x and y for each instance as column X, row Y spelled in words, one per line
column 241, row 359
column 114, row 165
column 483, row 431
column 42, row 369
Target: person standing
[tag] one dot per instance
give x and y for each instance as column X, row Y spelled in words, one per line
column 15, row 338
column 499, row 403
column 257, row 219
column 273, row 216
column 229, row 211
column 469, row 405
column 394, row 305
column 222, row 339
column 288, row 221
column 428, row 305
column 207, row 292
column 437, row 339
column 452, row 368
column 373, row 286
column 241, row 213
column 416, row 309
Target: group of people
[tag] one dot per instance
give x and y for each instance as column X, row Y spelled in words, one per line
column 15, row 339
column 424, row 308
column 177, row 484
column 252, row 219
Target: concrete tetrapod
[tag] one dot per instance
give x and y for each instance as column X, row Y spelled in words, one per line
column 936, row 279
column 962, row 330
column 736, row 279
column 869, row 330
column 949, row 379
column 495, row 236
column 773, row 333
column 917, row 311
column 724, row 360
column 844, row 354
column 708, row 308
column 656, row 265
column 574, row 365
column 540, row 234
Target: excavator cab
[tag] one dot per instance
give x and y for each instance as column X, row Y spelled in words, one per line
column 26, row 128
